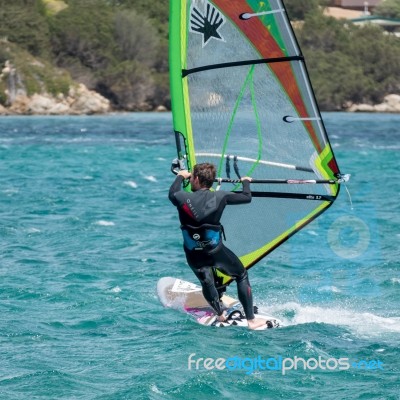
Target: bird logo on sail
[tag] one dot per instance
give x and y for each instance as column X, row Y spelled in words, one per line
column 207, row 24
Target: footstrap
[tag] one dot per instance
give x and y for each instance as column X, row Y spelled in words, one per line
column 235, row 315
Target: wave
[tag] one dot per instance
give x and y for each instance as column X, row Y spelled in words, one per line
column 104, row 223
column 151, row 178
column 131, row 184
column 364, row 323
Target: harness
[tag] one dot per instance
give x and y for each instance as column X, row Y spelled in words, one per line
column 205, row 237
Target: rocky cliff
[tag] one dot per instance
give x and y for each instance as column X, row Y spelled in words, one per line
column 391, row 104
column 17, row 99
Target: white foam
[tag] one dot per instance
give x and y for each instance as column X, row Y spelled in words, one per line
column 104, row 223
column 131, row 184
column 33, row 230
column 363, row 323
column 166, row 300
column 10, row 191
column 332, row 289
column 151, row 178
column 155, row 389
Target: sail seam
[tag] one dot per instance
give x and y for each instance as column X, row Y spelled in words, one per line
column 236, row 106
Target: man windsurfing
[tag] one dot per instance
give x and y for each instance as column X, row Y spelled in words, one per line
column 199, row 213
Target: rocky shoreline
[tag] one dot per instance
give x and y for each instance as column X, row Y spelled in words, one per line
column 82, row 101
column 391, row 104
column 79, row 101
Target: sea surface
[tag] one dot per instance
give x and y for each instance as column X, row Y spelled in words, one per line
column 86, row 231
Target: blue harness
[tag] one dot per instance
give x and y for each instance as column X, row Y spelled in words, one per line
column 205, row 237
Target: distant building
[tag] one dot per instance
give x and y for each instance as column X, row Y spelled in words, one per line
column 389, row 24
column 342, row 13
column 362, row 5
column 362, row 16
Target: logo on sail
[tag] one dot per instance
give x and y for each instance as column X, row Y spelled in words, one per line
column 207, row 24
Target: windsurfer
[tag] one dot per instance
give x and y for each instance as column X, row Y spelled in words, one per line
column 200, row 212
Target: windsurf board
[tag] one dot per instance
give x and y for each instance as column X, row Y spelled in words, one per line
column 188, row 298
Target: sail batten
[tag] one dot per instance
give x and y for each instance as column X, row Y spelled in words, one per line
column 242, row 99
column 252, row 160
column 187, row 72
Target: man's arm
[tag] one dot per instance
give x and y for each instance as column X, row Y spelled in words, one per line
column 244, row 196
column 176, row 186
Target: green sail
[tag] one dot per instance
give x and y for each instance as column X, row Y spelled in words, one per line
column 242, row 99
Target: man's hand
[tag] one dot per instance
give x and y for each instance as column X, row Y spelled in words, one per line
column 246, row 178
column 185, row 173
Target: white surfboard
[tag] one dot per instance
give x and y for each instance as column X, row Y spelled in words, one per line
column 188, row 298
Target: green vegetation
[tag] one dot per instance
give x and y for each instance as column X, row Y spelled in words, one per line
column 120, row 49
column 23, row 22
column 349, row 63
column 114, row 49
column 388, row 8
column 298, row 9
column 32, row 75
column 52, row 7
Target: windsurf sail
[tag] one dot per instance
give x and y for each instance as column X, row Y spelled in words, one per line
column 242, row 99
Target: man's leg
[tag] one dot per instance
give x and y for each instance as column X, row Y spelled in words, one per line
column 229, row 263
column 221, row 288
column 210, row 293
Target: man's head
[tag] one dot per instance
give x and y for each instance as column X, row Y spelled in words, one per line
column 203, row 176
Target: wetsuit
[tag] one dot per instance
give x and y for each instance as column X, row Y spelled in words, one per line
column 200, row 213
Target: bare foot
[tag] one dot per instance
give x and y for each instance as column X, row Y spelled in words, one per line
column 256, row 323
column 222, row 318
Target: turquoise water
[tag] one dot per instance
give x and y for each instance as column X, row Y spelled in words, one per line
column 86, row 231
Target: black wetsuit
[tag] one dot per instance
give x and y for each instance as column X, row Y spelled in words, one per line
column 200, row 213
